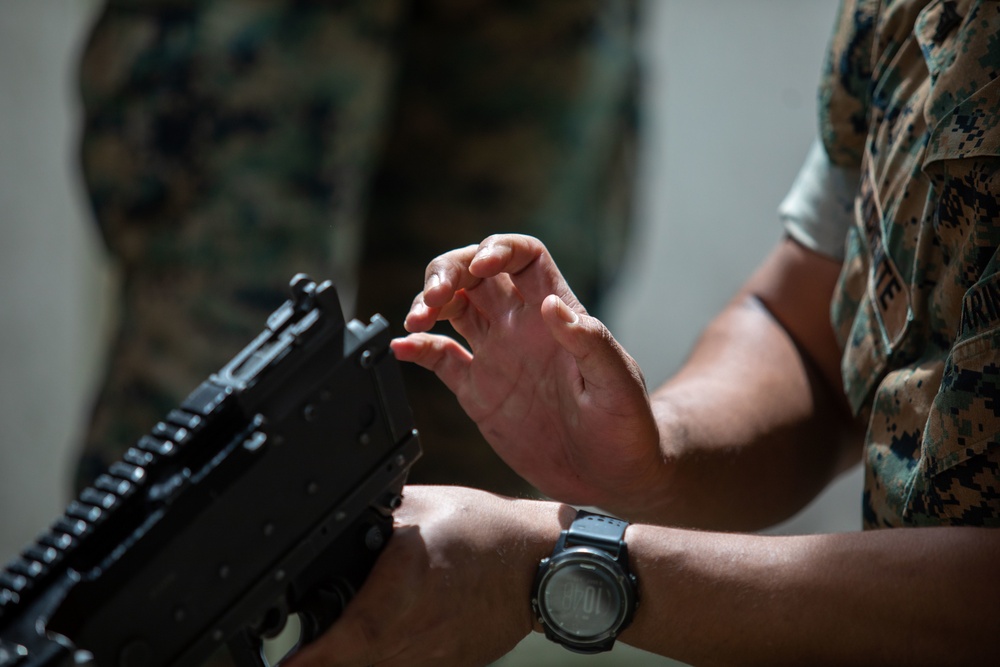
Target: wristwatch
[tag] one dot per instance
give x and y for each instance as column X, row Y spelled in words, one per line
column 584, row 592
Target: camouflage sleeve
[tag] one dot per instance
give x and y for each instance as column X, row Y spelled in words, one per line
column 225, row 147
column 845, row 83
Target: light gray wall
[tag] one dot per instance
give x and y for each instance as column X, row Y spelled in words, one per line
column 730, row 116
column 50, row 268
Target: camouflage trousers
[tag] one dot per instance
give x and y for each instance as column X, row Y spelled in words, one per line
column 229, row 144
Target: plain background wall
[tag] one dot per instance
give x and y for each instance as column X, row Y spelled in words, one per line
column 729, row 116
column 52, row 280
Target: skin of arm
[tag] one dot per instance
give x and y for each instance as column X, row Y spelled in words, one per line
column 906, row 596
column 754, row 424
column 741, row 436
column 454, row 584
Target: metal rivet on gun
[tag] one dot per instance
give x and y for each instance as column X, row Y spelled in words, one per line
column 374, row 539
column 255, row 441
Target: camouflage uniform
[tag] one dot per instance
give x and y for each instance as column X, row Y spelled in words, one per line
column 229, row 144
column 911, row 98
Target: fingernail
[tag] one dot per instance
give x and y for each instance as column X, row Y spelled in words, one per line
column 567, row 314
column 433, row 281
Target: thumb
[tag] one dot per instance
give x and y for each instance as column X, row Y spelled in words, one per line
column 602, row 361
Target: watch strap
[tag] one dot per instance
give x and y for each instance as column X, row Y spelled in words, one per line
column 596, row 530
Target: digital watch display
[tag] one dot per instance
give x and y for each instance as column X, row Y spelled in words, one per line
column 584, row 593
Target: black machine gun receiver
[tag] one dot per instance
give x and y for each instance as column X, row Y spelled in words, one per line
column 268, row 493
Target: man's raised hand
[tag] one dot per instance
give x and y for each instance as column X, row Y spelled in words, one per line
column 549, row 387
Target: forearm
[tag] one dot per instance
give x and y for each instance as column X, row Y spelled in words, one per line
column 753, row 411
column 888, row 597
column 754, row 424
column 749, row 429
column 460, row 557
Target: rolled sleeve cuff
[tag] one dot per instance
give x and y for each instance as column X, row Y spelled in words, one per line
column 819, row 209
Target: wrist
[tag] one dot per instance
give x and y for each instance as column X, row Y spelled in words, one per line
column 541, row 523
column 585, row 593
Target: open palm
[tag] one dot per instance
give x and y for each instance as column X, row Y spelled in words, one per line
column 553, row 393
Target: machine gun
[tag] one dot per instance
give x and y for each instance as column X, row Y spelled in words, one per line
column 267, row 494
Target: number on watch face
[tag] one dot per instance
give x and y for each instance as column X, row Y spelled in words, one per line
column 582, row 600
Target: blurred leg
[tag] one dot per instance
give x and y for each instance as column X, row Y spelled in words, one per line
column 511, row 116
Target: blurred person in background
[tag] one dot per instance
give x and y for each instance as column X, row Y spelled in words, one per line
column 230, row 144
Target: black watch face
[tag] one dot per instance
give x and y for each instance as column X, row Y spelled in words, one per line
column 582, row 600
